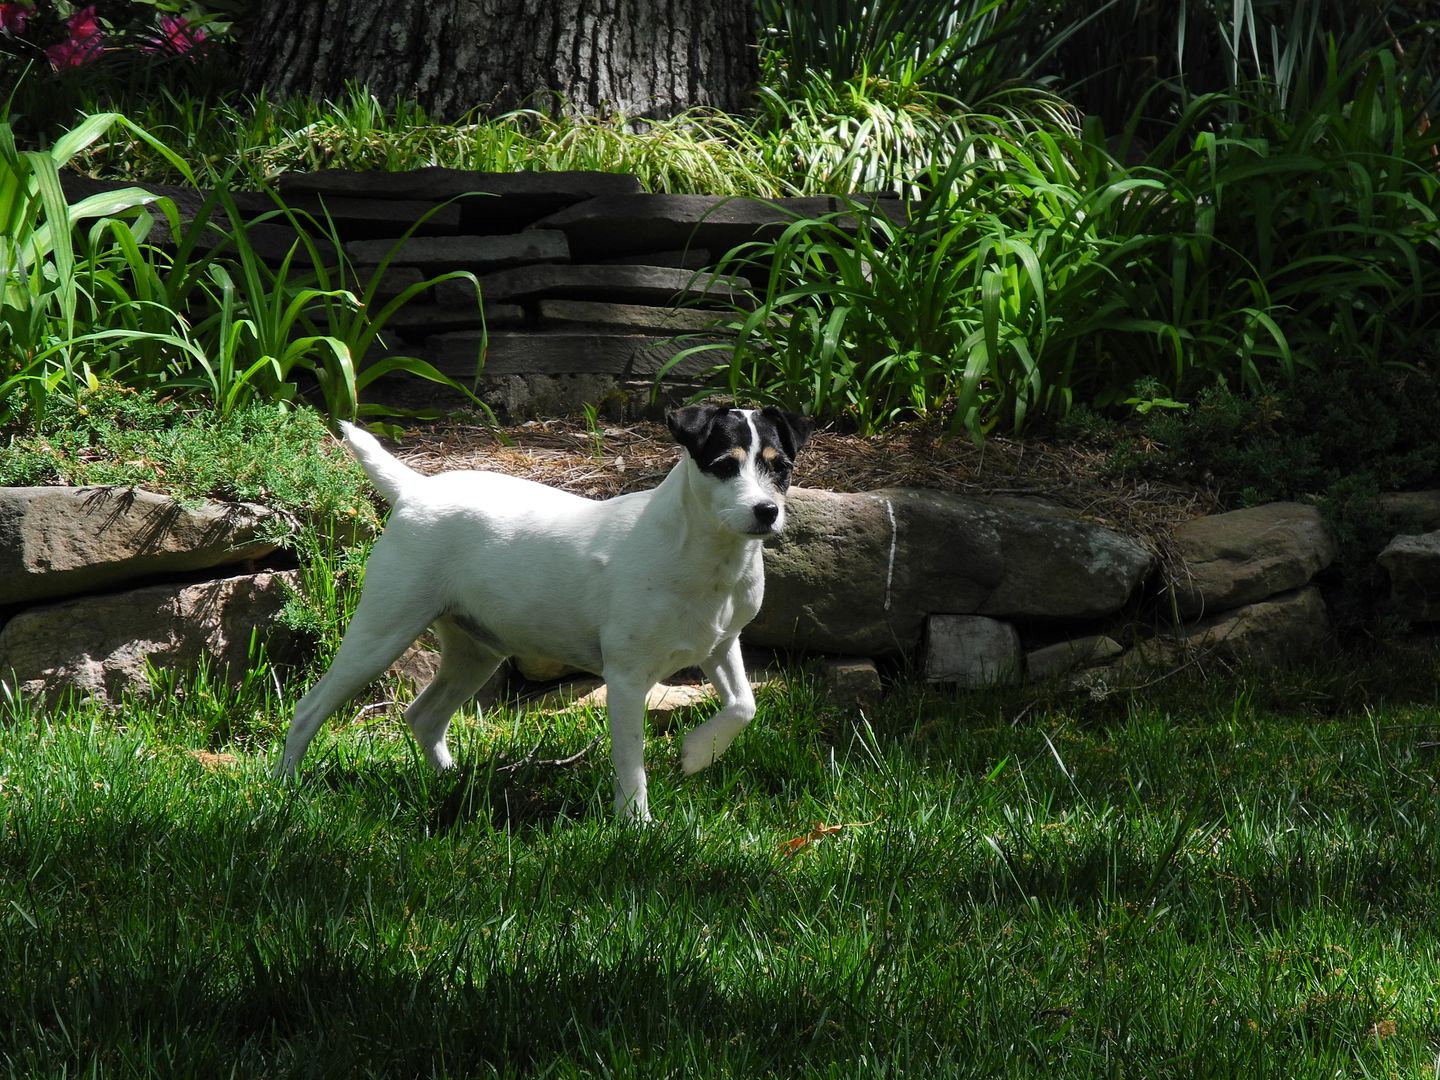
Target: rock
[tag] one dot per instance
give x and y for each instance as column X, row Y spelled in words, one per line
column 663, row 704
column 1413, row 563
column 1411, row 510
column 104, row 646
column 62, row 541
column 1233, row 559
column 631, row 318
column 849, row 682
column 857, row 574
column 419, row 663
column 479, row 254
column 970, row 650
column 419, row 319
column 559, row 352
column 614, row 225
column 486, row 202
column 359, row 218
column 1283, row 629
column 1063, row 657
column 436, row 184
column 662, row 285
column 685, row 258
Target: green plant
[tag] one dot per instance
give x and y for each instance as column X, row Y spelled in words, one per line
column 259, row 452
column 1020, row 284
column 311, row 317
column 53, row 296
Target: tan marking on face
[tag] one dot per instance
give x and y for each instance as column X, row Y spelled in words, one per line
column 739, row 453
column 770, row 453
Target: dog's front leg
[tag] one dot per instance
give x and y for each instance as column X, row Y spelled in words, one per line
column 726, row 671
column 625, row 700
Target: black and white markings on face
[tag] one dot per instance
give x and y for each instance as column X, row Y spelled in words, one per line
column 724, row 441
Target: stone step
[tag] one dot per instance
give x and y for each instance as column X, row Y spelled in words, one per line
column 560, row 353
column 619, row 224
column 651, row 285
column 479, row 254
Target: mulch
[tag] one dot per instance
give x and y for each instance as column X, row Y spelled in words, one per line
column 612, row 459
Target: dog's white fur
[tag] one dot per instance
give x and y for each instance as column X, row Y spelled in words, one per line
column 632, row 588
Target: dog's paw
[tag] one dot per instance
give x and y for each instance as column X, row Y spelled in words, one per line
column 697, row 752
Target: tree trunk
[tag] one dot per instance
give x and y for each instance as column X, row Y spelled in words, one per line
column 636, row 58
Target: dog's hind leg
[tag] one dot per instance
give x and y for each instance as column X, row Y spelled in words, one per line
column 625, row 702
column 378, row 633
column 726, row 671
column 465, row 666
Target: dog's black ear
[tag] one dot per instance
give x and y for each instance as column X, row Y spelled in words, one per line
column 794, row 429
column 691, row 425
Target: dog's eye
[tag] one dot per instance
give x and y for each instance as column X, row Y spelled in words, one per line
column 726, row 466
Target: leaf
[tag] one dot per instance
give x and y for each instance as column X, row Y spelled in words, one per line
column 792, row 847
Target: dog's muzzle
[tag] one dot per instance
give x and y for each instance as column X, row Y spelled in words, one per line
column 767, row 516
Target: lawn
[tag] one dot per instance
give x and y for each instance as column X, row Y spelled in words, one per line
column 1239, row 877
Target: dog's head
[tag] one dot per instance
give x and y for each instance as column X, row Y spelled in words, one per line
column 743, row 458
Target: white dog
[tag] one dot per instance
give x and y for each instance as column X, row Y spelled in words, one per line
column 632, row 588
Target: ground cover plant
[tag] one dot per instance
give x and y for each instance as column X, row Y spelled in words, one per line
column 1229, row 878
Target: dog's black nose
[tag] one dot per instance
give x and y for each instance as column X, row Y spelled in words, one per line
column 766, row 513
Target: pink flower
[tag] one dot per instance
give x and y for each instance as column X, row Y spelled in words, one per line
column 84, row 44
column 176, row 35
column 12, row 18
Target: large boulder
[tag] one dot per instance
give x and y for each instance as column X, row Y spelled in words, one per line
column 858, row 573
column 1237, row 558
column 103, row 647
column 61, row 541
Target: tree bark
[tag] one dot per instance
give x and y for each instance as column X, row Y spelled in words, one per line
column 636, row 58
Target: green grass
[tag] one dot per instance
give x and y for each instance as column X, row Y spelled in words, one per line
column 1219, row 880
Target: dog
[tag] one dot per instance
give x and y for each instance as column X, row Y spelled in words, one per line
column 631, row 588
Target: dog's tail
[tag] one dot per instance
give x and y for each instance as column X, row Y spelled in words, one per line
column 389, row 475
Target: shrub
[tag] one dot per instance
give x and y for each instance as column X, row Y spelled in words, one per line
column 258, row 452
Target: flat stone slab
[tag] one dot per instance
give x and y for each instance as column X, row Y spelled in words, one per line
column 487, row 202
column 478, row 254
column 576, row 352
column 615, row 225
column 419, row 319
column 60, row 541
column 359, row 218
column 631, row 318
column 436, row 183
column 650, row 285
column 103, row 647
